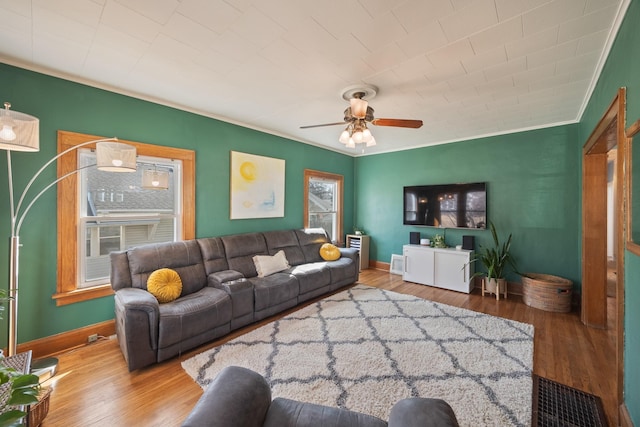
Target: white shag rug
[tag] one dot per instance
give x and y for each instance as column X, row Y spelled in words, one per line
column 365, row 348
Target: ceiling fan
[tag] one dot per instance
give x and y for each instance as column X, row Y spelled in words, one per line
column 358, row 114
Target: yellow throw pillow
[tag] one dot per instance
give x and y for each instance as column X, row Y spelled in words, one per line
column 164, row 284
column 329, row 252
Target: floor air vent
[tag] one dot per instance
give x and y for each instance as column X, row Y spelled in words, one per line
column 557, row 405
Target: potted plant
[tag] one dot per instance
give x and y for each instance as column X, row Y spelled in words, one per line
column 496, row 260
column 17, row 389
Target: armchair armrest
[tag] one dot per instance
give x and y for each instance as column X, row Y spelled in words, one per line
column 422, row 412
column 137, row 322
column 237, row 397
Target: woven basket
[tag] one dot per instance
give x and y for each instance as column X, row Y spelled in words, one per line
column 38, row 411
column 547, row 292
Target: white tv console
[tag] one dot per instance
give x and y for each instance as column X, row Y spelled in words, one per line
column 447, row 268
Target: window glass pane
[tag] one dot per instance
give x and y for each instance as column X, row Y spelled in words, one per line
column 323, row 220
column 108, row 192
column 323, row 205
column 117, row 213
column 102, row 240
column 322, row 196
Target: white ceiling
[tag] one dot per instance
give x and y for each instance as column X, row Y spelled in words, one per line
column 467, row 68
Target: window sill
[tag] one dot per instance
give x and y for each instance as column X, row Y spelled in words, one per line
column 79, row 295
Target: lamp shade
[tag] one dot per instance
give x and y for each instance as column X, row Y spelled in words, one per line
column 358, row 107
column 344, row 136
column 18, row 131
column 371, row 142
column 153, row 179
column 115, row 157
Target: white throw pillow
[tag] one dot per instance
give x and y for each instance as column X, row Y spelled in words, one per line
column 267, row 265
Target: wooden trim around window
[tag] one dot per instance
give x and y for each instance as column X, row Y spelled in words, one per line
column 308, row 174
column 67, row 291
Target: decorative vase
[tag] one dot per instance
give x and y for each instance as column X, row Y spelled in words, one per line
column 494, row 286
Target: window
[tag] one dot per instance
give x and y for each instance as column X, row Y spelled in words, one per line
column 323, row 202
column 99, row 212
column 117, row 213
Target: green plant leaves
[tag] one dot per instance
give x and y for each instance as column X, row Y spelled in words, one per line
column 496, row 259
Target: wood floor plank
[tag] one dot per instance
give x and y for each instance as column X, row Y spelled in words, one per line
column 94, row 388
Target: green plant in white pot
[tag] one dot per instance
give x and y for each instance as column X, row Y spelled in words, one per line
column 496, row 260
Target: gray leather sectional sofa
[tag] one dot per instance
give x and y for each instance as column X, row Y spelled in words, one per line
column 221, row 290
column 242, row 398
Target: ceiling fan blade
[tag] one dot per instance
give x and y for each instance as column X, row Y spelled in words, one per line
column 326, row 124
column 400, row 123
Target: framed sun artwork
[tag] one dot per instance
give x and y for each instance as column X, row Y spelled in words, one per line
column 257, row 186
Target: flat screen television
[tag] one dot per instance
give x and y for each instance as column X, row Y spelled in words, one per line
column 446, row 205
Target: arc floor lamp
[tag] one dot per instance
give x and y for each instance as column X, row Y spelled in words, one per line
column 20, row 132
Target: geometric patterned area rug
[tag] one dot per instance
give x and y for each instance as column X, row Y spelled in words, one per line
column 366, row 348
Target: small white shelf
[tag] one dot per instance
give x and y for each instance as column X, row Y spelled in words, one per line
column 362, row 244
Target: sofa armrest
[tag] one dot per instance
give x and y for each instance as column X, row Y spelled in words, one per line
column 219, row 278
column 349, row 253
column 241, row 292
column 422, row 412
column 237, row 397
column 137, row 321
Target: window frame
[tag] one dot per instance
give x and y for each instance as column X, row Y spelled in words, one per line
column 339, row 179
column 67, row 291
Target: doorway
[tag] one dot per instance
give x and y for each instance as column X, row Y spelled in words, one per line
column 605, row 148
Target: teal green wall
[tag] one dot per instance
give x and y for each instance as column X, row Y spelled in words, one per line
column 623, row 69
column 533, row 186
column 60, row 104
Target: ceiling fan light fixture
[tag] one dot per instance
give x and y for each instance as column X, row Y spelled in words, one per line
column 358, row 107
column 357, row 137
column 344, row 136
column 366, row 135
column 371, row 142
column 351, row 143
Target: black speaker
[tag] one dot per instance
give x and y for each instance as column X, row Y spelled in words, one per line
column 414, row 237
column 468, row 242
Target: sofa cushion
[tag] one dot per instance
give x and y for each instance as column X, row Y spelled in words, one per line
column 311, row 239
column 343, row 269
column 165, row 285
column 266, row 265
column 184, row 257
column 288, row 242
column 286, row 412
column 311, row 276
column 240, row 250
column 213, row 254
column 273, row 290
column 192, row 315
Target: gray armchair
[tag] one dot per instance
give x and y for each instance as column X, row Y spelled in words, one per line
column 239, row 397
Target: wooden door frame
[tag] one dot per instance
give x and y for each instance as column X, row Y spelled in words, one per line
column 608, row 133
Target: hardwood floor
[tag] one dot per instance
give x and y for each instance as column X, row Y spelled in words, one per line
column 94, row 388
